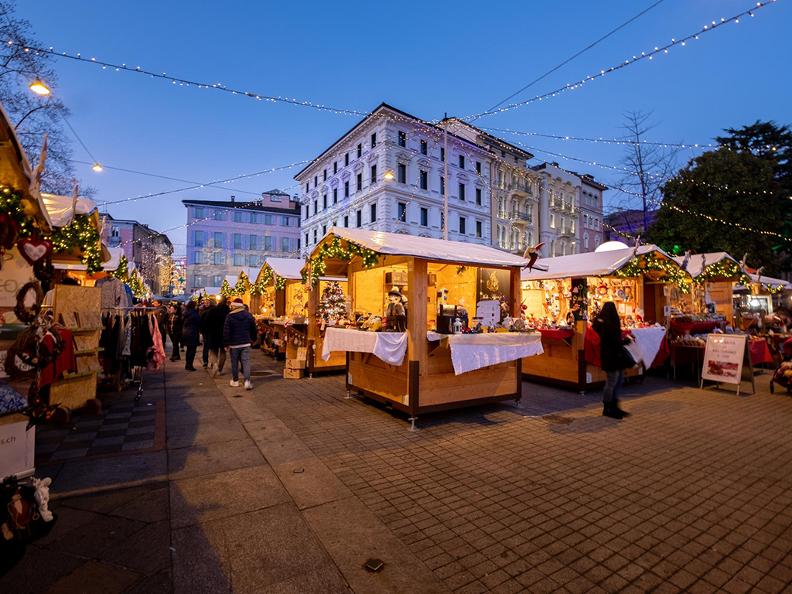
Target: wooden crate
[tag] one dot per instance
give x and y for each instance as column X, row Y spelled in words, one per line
column 292, row 373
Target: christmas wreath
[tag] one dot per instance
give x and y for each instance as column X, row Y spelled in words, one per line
column 26, row 314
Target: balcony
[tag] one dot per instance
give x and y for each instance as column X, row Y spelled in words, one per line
column 522, row 217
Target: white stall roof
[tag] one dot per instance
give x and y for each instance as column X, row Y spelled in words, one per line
column 586, row 264
column 399, row 244
column 110, row 265
column 288, row 268
column 697, row 262
column 769, row 280
column 59, row 208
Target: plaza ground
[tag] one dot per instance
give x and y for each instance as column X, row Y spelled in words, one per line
column 292, row 487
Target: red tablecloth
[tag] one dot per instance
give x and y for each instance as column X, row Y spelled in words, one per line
column 697, row 327
column 557, row 333
column 760, row 352
column 591, row 348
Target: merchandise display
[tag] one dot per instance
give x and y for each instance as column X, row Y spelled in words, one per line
column 436, row 323
column 279, row 299
column 562, row 294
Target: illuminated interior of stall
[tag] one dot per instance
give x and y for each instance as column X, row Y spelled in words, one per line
column 266, row 302
column 296, row 300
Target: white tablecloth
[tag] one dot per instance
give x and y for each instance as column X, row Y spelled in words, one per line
column 388, row 346
column 475, row 351
column 646, row 345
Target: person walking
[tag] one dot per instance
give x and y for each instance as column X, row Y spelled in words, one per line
column 239, row 331
column 206, row 307
column 174, row 329
column 191, row 326
column 161, row 314
column 614, row 358
column 215, row 324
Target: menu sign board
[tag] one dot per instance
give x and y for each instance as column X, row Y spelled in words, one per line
column 723, row 358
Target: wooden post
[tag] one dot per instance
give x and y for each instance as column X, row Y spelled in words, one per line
column 417, row 280
column 516, row 293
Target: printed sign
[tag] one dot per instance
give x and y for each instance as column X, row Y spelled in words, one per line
column 17, row 447
column 723, row 358
column 489, row 312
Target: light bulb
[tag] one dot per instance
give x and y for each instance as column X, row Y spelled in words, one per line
column 97, row 167
column 39, row 88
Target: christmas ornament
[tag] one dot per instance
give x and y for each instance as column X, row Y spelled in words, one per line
column 34, row 249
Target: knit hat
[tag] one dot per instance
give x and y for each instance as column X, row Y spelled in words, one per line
column 237, row 303
column 238, row 300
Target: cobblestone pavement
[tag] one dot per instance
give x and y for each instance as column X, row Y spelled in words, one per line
column 291, row 487
column 692, row 492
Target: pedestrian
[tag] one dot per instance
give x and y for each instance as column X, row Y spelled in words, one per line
column 614, row 358
column 207, row 305
column 190, row 330
column 216, row 323
column 239, row 331
column 174, row 329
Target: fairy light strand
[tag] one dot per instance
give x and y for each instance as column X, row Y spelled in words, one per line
column 603, row 140
column 645, row 55
column 176, row 80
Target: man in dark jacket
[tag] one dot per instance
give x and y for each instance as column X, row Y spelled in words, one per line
column 239, row 331
column 191, row 323
column 206, row 307
column 215, row 320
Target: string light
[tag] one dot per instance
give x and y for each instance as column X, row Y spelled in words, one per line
column 646, row 55
column 601, row 140
column 712, row 219
column 183, row 82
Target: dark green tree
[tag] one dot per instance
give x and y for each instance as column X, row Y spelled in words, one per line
column 734, row 186
column 748, row 182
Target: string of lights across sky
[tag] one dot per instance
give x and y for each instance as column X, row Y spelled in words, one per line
column 218, row 86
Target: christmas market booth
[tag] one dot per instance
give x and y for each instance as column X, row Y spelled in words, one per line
column 279, row 298
column 560, row 295
column 328, row 307
column 430, row 319
column 238, row 286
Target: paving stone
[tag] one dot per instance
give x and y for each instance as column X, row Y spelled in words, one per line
column 200, row 559
column 224, row 494
column 95, row 577
column 114, row 471
column 212, row 458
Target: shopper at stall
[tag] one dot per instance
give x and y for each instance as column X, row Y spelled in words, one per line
column 614, row 358
column 174, row 329
column 215, row 321
column 191, row 327
column 161, row 313
column 239, row 331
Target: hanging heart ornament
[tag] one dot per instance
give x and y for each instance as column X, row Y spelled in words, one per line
column 34, row 249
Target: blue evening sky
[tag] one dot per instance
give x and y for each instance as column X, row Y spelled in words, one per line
column 426, row 58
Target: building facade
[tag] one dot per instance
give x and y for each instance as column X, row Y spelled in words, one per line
column 388, row 174
column 570, row 211
column 227, row 237
column 591, row 219
column 514, row 189
column 149, row 250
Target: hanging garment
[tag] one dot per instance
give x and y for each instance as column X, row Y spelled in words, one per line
column 141, row 340
column 63, row 362
column 157, row 355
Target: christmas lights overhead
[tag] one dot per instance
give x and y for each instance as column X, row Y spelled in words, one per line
column 182, row 82
column 712, row 219
column 645, row 55
column 602, row 140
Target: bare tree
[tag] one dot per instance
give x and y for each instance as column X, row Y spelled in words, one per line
column 648, row 165
column 33, row 115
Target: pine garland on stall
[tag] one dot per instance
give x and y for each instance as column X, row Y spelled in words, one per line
column 641, row 265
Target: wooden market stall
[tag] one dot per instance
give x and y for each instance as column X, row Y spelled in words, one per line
column 561, row 294
column 327, row 308
column 419, row 289
column 279, row 298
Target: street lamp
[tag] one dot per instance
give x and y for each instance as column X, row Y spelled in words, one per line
column 97, row 167
column 39, row 87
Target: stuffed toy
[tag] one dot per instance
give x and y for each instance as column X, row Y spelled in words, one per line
column 42, row 496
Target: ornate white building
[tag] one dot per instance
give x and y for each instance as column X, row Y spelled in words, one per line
column 387, row 174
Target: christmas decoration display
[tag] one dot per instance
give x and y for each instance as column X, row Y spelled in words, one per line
column 336, row 249
column 725, row 269
column 242, row 285
column 225, row 289
column 136, row 284
column 122, row 272
column 332, row 305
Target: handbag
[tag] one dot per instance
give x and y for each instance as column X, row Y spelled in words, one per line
column 625, row 359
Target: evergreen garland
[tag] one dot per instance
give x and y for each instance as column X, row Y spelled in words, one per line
column 336, row 250
column 640, row 265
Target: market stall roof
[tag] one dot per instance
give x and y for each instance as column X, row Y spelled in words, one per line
column 288, row 268
column 698, row 262
column 398, row 244
column 587, row 264
column 61, row 209
column 110, row 265
column 769, row 280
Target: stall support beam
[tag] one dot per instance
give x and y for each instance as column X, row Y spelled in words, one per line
column 413, row 390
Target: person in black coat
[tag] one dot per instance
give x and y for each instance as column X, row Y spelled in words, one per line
column 207, row 305
column 191, row 327
column 614, row 358
column 174, row 329
column 215, row 321
column 239, row 332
